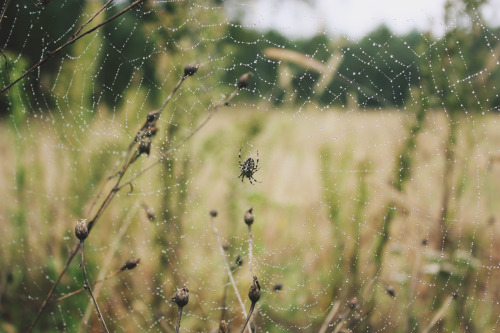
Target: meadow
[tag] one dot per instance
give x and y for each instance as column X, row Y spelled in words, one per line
column 343, row 240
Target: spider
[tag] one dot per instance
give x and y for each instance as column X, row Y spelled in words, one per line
column 248, row 168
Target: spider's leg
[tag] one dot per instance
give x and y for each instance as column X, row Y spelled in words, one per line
column 239, row 157
column 257, row 163
column 255, row 180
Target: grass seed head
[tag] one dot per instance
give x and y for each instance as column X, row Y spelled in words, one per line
column 244, row 80
column 249, row 217
column 191, row 69
column 254, row 292
column 181, row 298
column 81, row 229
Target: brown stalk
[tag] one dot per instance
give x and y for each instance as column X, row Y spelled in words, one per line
column 330, row 316
column 109, row 197
column 107, row 277
column 140, row 134
column 72, row 39
column 184, row 140
column 87, row 286
column 226, row 264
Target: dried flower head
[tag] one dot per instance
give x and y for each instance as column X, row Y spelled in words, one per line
column 81, row 230
column 181, row 298
column 131, row 264
column 191, row 69
column 145, row 146
column 254, row 292
column 249, row 217
column 244, row 80
column 223, row 327
column 213, row 213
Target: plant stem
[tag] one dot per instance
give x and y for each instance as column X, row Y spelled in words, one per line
column 87, row 286
column 189, row 136
column 179, row 315
column 109, row 197
column 330, row 316
column 248, row 318
column 250, row 249
column 439, row 315
column 228, row 269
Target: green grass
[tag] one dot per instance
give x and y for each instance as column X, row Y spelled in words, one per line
column 319, row 221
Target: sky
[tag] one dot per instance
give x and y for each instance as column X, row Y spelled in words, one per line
column 350, row 18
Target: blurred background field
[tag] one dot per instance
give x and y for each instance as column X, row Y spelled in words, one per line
column 377, row 202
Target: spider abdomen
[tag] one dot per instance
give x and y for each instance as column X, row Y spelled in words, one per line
column 249, row 165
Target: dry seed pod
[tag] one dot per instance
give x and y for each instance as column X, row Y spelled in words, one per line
column 131, row 264
column 81, row 230
column 254, row 292
column 145, row 147
column 249, row 217
column 213, row 213
column 191, row 69
column 223, row 327
column 244, row 80
column 181, row 298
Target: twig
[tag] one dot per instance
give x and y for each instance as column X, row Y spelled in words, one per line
column 49, row 54
column 4, row 10
column 128, row 266
column 87, row 286
column 90, row 20
column 189, row 136
column 439, row 315
column 330, row 316
column 213, row 214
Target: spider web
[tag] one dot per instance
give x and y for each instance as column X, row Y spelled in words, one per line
column 376, row 196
